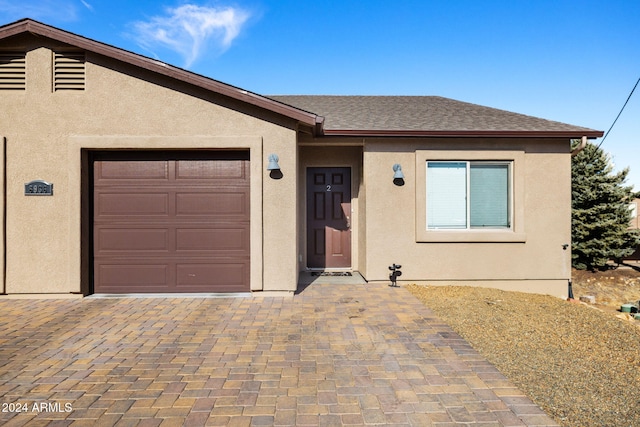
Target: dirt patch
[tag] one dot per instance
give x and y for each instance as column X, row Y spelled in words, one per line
column 580, row 364
column 611, row 288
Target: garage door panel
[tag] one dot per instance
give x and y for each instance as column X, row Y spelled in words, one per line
column 227, row 275
column 171, row 222
column 218, row 170
column 132, row 278
column 132, row 204
column 132, row 170
column 218, row 204
column 131, row 240
column 224, row 238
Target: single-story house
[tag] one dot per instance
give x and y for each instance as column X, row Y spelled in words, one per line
column 123, row 174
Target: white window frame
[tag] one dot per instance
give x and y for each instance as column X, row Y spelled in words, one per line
column 468, row 164
column 516, row 231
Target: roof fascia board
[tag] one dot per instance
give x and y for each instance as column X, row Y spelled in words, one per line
column 591, row 134
column 37, row 28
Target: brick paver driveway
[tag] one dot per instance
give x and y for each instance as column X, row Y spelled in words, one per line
column 331, row 355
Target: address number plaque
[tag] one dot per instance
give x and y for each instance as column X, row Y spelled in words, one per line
column 38, row 188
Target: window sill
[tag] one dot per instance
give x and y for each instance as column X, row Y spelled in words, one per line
column 471, row 236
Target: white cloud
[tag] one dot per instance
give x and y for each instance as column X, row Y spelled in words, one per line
column 190, row 30
column 87, row 5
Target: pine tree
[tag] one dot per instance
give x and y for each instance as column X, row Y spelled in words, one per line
column 600, row 211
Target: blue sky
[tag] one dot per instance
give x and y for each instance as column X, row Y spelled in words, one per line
column 569, row 61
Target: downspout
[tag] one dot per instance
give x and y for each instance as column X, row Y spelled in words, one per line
column 580, row 147
column 3, row 213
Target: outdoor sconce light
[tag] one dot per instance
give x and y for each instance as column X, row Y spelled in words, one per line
column 273, row 163
column 398, row 176
column 397, row 169
column 273, row 167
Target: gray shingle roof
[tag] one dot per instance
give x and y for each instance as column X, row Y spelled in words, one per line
column 422, row 114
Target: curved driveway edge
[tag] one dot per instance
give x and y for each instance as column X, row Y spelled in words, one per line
column 330, row 355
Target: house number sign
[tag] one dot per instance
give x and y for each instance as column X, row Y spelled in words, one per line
column 38, row 188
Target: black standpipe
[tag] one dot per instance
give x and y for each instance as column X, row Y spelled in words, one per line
column 570, row 290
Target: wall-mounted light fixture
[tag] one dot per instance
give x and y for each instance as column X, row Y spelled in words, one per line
column 398, row 176
column 273, row 167
column 273, row 163
column 397, row 169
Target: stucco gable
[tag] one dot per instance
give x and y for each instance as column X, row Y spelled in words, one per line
column 34, row 27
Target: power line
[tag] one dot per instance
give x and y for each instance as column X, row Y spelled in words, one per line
column 618, row 116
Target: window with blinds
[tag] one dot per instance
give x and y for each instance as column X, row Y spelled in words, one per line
column 468, row 195
column 12, row 70
column 68, row 71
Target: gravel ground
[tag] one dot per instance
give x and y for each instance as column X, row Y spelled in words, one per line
column 579, row 363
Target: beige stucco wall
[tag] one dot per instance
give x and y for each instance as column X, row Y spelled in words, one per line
column 530, row 258
column 635, row 220
column 126, row 108
column 634, row 224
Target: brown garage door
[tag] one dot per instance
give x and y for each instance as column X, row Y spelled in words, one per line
column 171, row 222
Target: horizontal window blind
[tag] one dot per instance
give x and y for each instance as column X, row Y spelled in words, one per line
column 464, row 195
column 489, row 195
column 446, row 195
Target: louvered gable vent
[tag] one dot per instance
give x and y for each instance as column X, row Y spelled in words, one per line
column 12, row 70
column 68, row 71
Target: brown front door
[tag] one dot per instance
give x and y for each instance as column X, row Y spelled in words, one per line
column 329, row 217
column 171, row 222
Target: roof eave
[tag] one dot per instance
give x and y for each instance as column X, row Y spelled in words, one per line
column 591, row 134
column 39, row 29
